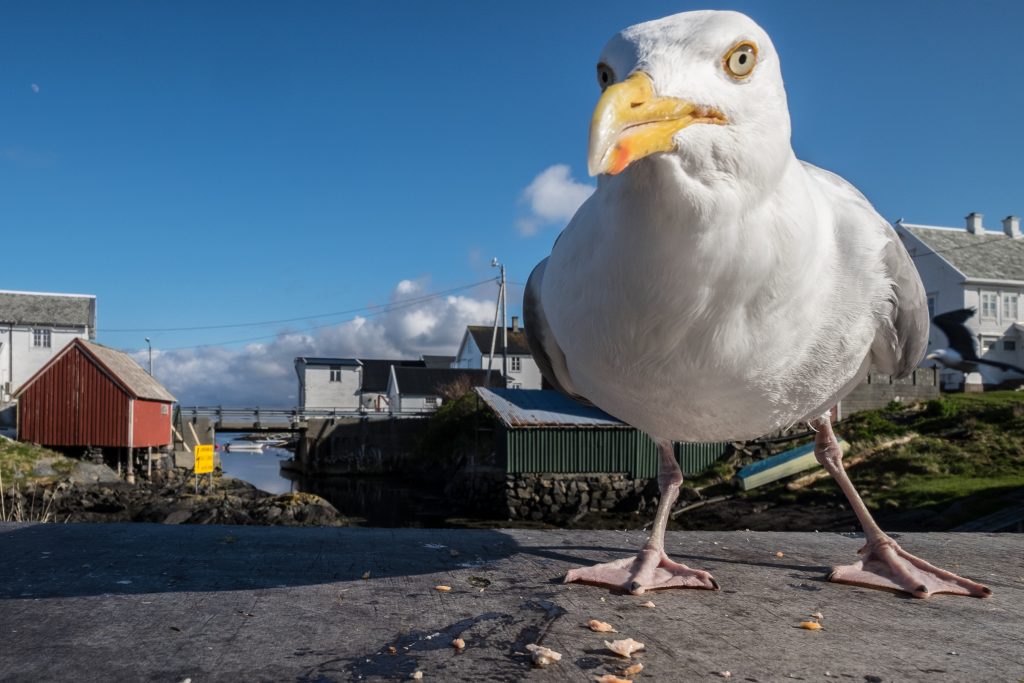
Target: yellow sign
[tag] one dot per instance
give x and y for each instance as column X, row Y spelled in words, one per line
column 204, row 458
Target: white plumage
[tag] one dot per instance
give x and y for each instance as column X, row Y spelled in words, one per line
column 714, row 287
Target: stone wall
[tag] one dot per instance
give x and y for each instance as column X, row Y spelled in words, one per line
column 554, row 497
column 878, row 390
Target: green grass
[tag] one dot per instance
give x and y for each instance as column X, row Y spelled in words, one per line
column 17, row 461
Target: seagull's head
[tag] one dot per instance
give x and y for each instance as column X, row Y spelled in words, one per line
column 947, row 357
column 703, row 86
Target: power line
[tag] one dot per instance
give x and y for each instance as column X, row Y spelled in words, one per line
column 397, row 306
column 425, row 297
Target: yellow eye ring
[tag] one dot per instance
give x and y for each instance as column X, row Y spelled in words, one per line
column 740, row 60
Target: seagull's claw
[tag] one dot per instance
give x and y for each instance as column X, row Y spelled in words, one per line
column 649, row 570
column 885, row 565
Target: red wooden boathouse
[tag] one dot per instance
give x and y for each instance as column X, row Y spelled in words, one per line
column 92, row 395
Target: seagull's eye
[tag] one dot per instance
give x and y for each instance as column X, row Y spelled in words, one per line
column 605, row 75
column 740, row 60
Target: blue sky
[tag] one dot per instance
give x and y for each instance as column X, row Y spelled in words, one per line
column 197, row 164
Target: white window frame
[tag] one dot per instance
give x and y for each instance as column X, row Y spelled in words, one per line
column 431, row 402
column 1011, row 306
column 42, row 338
column 335, row 375
column 988, row 344
column 515, row 364
column 990, row 300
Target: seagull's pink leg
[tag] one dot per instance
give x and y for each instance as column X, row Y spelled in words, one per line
column 883, row 563
column 651, row 569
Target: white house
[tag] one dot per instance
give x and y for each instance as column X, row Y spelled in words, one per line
column 422, row 389
column 34, row 326
column 347, row 384
column 332, row 383
column 972, row 267
column 475, row 348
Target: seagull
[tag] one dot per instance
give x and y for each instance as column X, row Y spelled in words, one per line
column 716, row 288
column 961, row 354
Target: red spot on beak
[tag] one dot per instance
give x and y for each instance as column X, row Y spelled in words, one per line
column 620, row 159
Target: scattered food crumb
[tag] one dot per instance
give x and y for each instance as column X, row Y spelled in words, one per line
column 649, row 603
column 392, row 650
column 810, row 625
column 443, row 589
column 953, row 653
column 624, row 647
column 542, row 656
column 828, row 674
column 725, row 674
column 366, row 575
column 416, row 676
column 459, row 644
column 817, row 615
column 633, row 670
column 600, row 626
column 453, row 552
column 611, row 678
column 780, row 554
column 602, row 599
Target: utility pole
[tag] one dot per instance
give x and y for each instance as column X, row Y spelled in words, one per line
column 500, row 311
column 150, row 345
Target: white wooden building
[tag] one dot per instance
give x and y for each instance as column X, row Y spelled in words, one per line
column 475, row 348
column 34, row 326
column 422, row 389
column 330, row 383
column 972, row 267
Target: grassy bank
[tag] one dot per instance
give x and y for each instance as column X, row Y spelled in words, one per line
column 962, row 457
column 18, row 462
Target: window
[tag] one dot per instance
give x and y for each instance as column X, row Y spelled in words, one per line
column 515, row 364
column 431, row 401
column 335, row 373
column 988, row 344
column 1009, row 345
column 989, row 305
column 1010, row 310
column 516, row 385
column 41, row 338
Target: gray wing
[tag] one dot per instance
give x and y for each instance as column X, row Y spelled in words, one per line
column 902, row 338
column 543, row 346
column 901, row 345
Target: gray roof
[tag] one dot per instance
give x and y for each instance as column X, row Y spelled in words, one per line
column 988, row 255
column 29, row 308
column 129, row 373
column 543, row 408
column 414, row 381
column 310, row 360
column 517, row 345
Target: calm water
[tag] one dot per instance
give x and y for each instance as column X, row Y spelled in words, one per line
column 367, row 501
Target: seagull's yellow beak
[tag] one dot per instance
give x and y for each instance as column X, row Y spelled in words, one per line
column 631, row 122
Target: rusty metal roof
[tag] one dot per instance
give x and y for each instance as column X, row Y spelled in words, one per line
column 543, row 408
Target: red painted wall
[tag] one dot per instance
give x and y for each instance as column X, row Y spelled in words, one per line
column 74, row 403
column 151, row 424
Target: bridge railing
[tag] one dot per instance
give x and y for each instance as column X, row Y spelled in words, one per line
column 260, row 415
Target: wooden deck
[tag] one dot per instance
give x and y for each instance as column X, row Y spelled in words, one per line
column 148, row 602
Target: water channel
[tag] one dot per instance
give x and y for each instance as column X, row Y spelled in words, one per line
column 365, row 501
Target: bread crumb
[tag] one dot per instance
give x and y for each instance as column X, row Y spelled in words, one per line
column 780, row 554
column 625, row 647
column 612, row 678
column 647, row 604
column 817, row 615
column 443, row 589
column 810, row 625
column 417, row 676
column 459, row 644
column 366, row 575
column 542, row 656
column 600, row 626
column 633, row 670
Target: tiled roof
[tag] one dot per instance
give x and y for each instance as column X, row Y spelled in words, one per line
column 517, row 344
column 130, row 373
column 988, row 255
column 28, row 308
column 542, row 408
column 429, row 381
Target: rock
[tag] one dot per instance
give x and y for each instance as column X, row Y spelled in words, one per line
column 178, row 517
column 89, row 473
column 43, row 468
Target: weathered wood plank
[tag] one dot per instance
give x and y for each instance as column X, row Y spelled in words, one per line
column 146, row 602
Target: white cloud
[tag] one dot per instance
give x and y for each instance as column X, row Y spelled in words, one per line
column 552, row 198
column 35, row 88
column 264, row 373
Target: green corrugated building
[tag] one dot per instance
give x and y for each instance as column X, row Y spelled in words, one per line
column 547, row 432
